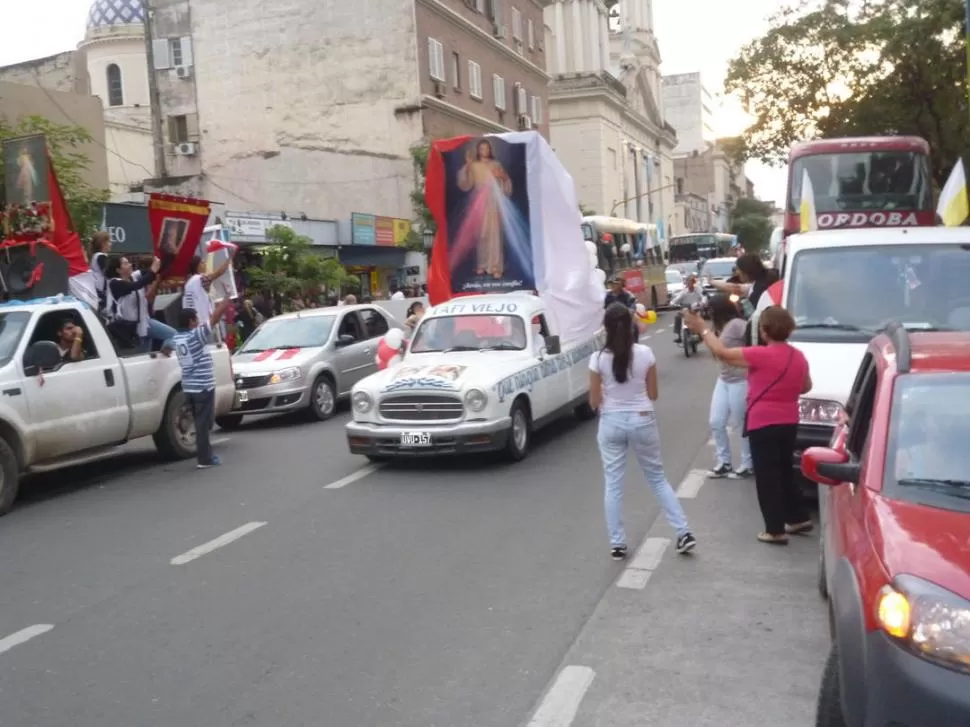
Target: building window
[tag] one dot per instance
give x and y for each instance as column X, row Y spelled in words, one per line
column 176, row 53
column 116, row 92
column 178, row 129
column 536, row 110
column 516, row 25
column 530, row 32
column 475, row 80
column 521, row 99
column 456, row 69
column 436, row 60
column 498, row 90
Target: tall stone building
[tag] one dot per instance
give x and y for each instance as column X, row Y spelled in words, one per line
column 607, row 123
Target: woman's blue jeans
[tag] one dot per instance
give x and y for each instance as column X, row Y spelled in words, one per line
column 620, row 432
column 728, row 405
column 158, row 331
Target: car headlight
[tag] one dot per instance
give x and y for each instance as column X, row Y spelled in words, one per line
column 819, row 411
column 290, row 374
column 927, row 619
column 476, row 400
column 362, row 401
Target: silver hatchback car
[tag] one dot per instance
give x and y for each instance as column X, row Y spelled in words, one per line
column 307, row 360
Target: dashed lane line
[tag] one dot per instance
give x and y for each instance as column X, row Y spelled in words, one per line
column 220, row 542
column 561, row 703
column 353, row 477
column 23, row 636
column 636, row 575
column 692, row 484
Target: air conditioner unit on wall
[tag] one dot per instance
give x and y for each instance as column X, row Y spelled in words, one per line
column 499, row 31
column 183, row 72
column 525, row 122
column 186, row 149
column 439, row 89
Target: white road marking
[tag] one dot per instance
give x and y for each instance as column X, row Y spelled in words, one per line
column 692, row 484
column 561, row 703
column 644, row 563
column 24, row 635
column 219, row 542
column 644, row 338
column 710, row 442
column 353, row 477
column 219, row 440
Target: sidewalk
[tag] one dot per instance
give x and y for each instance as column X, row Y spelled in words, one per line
column 733, row 636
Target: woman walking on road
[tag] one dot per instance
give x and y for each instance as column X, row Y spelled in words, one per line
column 728, row 402
column 623, row 387
column 777, row 376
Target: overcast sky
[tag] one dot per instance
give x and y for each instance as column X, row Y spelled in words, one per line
column 694, row 35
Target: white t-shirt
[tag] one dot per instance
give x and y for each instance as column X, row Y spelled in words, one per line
column 398, row 295
column 631, row 395
column 196, row 297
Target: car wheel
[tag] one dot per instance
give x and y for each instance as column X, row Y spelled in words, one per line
column 175, row 438
column 823, row 588
column 520, row 432
column 584, row 412
column 828, row 713
column 323, row 398
column 229, row 422
column 9, row 477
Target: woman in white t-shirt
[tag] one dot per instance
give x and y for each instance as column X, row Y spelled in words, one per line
column 623, row 387
column 195, row 294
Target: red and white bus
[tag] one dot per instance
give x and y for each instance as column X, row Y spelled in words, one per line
column 863, row 182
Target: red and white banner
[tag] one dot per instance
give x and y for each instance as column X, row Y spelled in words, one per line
column 277, row 354
column 218, row 248
column 177, row 224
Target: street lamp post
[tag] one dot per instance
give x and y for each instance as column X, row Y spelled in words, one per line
column 649, row 191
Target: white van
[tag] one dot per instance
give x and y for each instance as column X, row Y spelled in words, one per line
column 844, row 286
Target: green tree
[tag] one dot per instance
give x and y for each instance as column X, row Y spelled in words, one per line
column 422, row 215
column 751, row 222
column 836, row 68
column 290, row 267
column 84, row 202
column 585, row 211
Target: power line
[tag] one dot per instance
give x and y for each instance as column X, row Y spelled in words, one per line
column 309, row 182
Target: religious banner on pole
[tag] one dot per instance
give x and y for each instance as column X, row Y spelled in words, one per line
column 177, row 224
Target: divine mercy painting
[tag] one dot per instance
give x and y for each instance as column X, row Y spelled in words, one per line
column 25, row 170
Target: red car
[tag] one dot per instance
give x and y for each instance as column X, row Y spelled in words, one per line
column 895, row 552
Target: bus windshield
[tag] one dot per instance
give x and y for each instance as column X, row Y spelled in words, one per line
column 876, row 181
column 689, row 248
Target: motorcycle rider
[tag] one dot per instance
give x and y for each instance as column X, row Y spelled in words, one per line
column 691, row 295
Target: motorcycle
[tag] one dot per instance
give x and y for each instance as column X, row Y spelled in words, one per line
column 690, row 340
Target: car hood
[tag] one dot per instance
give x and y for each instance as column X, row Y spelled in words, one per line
column 930, row 543
column 833, row 367
column 455, row 371
column 273, row 359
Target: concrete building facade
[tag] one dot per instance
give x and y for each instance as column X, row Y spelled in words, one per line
column 689, row 108
column 607, row 122
column 714, row 176
column 692, row 213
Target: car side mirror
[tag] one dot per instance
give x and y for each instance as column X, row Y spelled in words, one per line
column 345, row 340
column 41, row 356
column 829, row 467
column 553, row 345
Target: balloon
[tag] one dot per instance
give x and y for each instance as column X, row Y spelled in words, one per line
column 626, row 249
column 384, row 355
column 599, row 276
column 641, row 309
column 394, row 338
column 591, row 248
column 395, row 360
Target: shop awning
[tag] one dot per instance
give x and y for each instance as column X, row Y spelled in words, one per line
column 372, row 255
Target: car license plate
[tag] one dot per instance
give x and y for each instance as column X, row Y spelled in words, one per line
column 415, row 439
column 243, row 397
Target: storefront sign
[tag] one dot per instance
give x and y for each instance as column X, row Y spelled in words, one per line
column 255, row 227
column 368, row 229
column 127, row 224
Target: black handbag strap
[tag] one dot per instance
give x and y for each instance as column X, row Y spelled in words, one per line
column 769, row 387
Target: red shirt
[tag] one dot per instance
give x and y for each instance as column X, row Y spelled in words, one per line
column 776, row 373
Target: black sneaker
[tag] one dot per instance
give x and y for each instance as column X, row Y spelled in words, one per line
column 678, row 339
column 686, row 543
column 618, row 552
column 722, row 470
column 742, row 474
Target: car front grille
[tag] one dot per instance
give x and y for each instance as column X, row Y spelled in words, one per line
column 252, row 382
column 427, row 408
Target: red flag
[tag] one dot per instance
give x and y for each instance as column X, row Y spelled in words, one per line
column 439, row 272
column 63, row 237
column 36, row 275
column 216, row 244
column 177, row 224
column 775, row 291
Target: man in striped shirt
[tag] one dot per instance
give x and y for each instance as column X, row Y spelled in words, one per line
column 198, row 374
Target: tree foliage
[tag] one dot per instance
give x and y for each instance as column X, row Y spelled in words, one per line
column 84, row 202
column 751, row 222
column 837, row 68
column 290, row 267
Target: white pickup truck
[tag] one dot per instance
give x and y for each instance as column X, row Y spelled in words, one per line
column 54, row 413
column 481, row 374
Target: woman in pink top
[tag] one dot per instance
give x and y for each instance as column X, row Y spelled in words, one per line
column 777, row 376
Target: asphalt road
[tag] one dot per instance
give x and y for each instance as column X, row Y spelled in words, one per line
column 422, row 595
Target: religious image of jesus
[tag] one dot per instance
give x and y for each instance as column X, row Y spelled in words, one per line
column 27, row 175
column 487, row 181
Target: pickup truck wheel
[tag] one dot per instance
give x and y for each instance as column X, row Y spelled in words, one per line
column 9, row 477
column 828, row 713
column 584, row 412
column 323, row 398
column 520, row 432
column 229, row 422
column 175, row 438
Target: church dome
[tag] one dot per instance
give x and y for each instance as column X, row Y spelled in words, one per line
column 110, row 13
